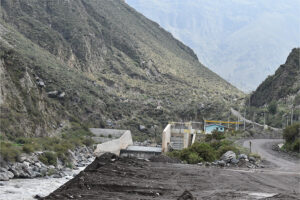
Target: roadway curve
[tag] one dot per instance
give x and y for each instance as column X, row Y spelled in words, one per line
column 263, row 148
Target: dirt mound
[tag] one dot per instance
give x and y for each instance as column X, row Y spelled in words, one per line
column 164, row 159
column 112, row 177
column 101, row 161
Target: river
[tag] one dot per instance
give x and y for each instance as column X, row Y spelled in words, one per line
column 26, row 189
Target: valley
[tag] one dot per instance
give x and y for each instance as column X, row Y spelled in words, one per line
column 99, row 102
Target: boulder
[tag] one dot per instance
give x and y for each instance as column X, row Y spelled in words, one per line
column 242, row 156
column 62, row 95
column 221, row 163
column 38, row 165
column 142, row 127
column 41, row 83
column 234, row 161
column 4, row 176
column 228, row 156
column 252, row 159
column 53, row 94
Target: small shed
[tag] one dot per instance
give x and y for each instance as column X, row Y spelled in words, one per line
column 214, row 127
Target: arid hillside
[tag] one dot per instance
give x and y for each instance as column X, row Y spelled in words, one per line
column 101, row 64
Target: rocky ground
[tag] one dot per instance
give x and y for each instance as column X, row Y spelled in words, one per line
column 111, row 177
column 29, row 166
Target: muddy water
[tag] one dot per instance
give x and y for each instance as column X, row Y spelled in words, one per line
column 26, row 189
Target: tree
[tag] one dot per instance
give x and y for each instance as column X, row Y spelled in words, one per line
column 272, row 108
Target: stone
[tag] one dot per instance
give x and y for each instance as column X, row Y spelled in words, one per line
column 53, row 94
column 221, row 163
column 3, row 169
column 26, row 163
column 62, row 95
column 142, row 128
column 4, row 176
column 43, row 171
column 41, row 83
column 228, row 156
column 252, row 159
column 56, row 176
column 242, row 156
column 234, row 161
column 37, row 164
column 38, row 196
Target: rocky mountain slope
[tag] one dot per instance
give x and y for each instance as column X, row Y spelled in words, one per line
column 98, row 63
column 243, row 41
column 283, row 84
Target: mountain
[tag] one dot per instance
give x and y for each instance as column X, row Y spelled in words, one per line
column 242, row 41
column 283, row 84
column 98, row 63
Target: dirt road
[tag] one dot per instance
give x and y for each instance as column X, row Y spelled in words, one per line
column 263, row 148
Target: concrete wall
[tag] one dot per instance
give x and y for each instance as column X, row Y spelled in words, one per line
column 99, row 132
column 115, row 145
column 166, row 138
column 142, row 155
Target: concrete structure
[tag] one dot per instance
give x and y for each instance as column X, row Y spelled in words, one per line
column 179, row 135
column 143, row 152
column 113, row 140
column 208, row 129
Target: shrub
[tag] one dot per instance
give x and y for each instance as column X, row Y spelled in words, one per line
column 218, row 135
column 48, row 158
column 88, row 141
column 254, row 155
column 296, row 146
column 28, row 148
column 272, row 108
column 291, row 133
column 204, row 150
column 9, row 152
column 193, row 158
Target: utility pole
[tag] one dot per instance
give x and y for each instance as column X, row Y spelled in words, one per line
column 253, row 119
column 245, row 120
column 292, row 115
column 228, row 123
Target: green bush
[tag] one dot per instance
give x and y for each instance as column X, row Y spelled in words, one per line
column 194, row 158
column 204, row 150
column 291, row 133
column 28, row 148
column 218, row 135
column 48, row 158
column 254, row 155
column 296, row 146
column 9, row 152
column 272, row 107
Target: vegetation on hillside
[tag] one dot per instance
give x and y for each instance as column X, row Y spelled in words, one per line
column 209, row 149
column 53, row 147
column 292, row 138
column 285, row 82
column 116, row 69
